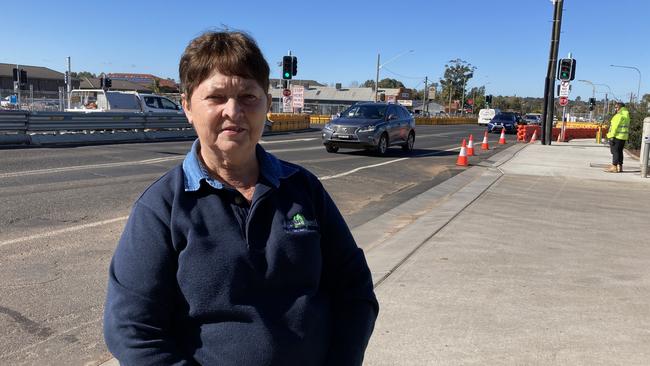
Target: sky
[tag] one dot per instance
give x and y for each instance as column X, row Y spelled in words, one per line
column 508, row 41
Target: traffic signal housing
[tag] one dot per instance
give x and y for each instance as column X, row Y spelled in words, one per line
column 566, row 70
column 294, row 65
column 287, row 67
column 592, row 103
column 108, row 82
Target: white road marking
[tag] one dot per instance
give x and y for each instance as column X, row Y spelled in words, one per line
column 62, row 231
column 328, row 177
column 92, row 166
column 263, row 142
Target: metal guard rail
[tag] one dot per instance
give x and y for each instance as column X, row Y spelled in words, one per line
column 23, row 122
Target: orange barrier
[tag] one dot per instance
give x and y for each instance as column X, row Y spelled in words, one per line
column 525, row 133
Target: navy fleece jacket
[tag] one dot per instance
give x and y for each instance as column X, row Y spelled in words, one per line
column 199, row 277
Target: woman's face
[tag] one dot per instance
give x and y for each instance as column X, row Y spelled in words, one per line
column 228, row 114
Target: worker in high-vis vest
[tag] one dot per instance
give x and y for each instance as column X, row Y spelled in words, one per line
column 619, row 132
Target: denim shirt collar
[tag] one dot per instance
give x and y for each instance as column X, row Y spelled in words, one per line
column 271, row 169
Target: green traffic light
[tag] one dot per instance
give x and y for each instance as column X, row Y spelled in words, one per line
column 286, row 75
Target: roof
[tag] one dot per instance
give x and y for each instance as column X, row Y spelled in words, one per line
column 143, row 79
column 33, row 72
column 310, row 83
column 93, row 83
column 343, row 94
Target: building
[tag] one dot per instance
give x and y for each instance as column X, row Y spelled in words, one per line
column 44, row 81
column 120, row 85
column 165, row 85
column 326, row 100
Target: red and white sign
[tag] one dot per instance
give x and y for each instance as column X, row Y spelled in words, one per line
column 286, row 92
column 297, row 94
column 286, row 105
column 564, row 101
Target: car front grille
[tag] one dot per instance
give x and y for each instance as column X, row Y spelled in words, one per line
column 347, row 130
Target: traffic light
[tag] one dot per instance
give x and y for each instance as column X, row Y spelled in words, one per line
column 108, row 82
column 488, row 99
column 23, row 77
column 592, row 103
column 15, row 74
column 294, row 65
column 566, row 69
column 101, row 83
column 287, row 68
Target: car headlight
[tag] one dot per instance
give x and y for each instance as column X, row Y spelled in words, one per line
column 328, row 126
column 367, row 128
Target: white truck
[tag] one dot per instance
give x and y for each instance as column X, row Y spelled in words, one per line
column 485, row 115
column 99, row 100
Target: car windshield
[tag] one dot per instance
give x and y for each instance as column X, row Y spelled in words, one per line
column 366, row 112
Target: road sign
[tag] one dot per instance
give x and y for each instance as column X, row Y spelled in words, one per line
column 297, row 94
column 286, row 92
column 286, row 105
column 565, row 88
column 564, row 101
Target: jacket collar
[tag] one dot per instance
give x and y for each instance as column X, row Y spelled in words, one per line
column 194, row 172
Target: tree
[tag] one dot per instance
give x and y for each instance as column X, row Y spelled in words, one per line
column 457, row 73
column 390, row 83
column 368, row 84
column 83, row 74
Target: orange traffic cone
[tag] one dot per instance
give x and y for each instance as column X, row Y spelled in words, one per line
column 462, row 156
column 485, row 145
column 534, row 138
column 502, row 139
column 470, row 146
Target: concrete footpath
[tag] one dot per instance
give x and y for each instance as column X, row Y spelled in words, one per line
column 533, row 257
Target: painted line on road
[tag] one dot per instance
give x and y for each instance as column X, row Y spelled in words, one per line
column 62, row 231
column 92, row 166
column 263, row 142
column 328, row 177
column 123, row 218
column 123, row 163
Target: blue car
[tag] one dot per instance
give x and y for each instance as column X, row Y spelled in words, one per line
column 507, row 120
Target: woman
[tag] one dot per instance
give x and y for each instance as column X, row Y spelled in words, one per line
column 235, row 257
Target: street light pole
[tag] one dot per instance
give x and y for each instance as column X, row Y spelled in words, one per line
column 593, row 95
column 638, row 88
column 379, row 66
column 377, row 78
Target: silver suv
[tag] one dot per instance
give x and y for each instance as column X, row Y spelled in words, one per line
column 371, row 126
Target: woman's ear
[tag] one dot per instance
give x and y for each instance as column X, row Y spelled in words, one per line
column 185, row 102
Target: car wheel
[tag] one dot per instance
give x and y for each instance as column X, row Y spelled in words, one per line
column 408, row 145
column 331, row 148
column 382, row 145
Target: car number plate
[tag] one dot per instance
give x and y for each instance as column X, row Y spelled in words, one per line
column 345, row 136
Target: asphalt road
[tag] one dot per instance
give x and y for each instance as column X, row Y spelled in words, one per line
column 63, row 210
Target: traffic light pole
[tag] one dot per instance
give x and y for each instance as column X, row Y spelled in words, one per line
column 549, row 86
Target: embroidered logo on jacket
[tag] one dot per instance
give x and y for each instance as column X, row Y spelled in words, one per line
column 299, row 223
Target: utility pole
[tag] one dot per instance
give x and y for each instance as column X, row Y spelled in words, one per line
column 69, row 86
column 549, row 86
column 377, row 79
column 424, row 96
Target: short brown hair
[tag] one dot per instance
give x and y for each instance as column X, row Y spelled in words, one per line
column 231, row 53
